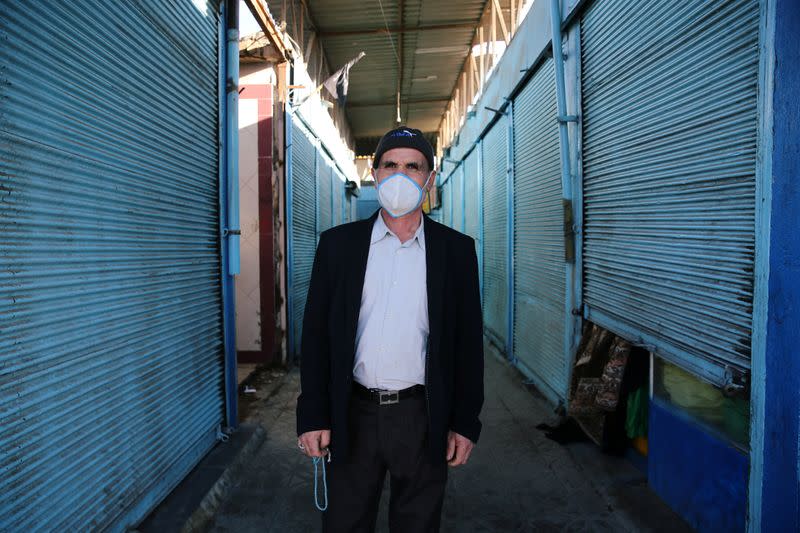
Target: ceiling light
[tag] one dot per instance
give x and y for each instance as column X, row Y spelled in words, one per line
column 426, row 78
column 443, row 50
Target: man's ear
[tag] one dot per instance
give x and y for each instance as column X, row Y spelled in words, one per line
column 431, row 180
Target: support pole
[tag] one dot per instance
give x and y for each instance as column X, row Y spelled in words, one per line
column 229, row 201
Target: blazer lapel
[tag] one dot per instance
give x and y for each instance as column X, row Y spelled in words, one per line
column 435, row 266
column 359, row 254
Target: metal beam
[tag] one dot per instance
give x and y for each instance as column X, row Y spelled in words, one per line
column 383, row 30
column 351, row 104
column 259, row 10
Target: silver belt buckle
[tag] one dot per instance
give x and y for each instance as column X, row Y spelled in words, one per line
column 386, row 397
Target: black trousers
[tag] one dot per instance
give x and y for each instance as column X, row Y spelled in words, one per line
column 386, row 438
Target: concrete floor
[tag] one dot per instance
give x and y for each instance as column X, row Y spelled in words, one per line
column 244, row 371
column 517, row 480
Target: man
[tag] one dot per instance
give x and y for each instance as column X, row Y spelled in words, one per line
column 392, row 351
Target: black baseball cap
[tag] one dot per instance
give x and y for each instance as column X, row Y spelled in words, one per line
column 404, row 138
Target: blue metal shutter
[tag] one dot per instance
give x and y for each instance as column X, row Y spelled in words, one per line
column 338, row 198
column 447, row 203
column 352, row 203
column 495, row 230
column 539, row 269
column 472, row 201
column 111, row 342
column 457, row 182
column 302, row 225
column 669, row 96
column 325, row 200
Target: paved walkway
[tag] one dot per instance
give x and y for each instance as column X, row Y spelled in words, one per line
column 516, row 481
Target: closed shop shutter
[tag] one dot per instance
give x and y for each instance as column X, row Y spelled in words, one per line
column 539, row 269
column 338, row 198
column 457, row 181
column 669, row 172
column 495, row 230
column 325, row 201
column 472, row 201
column 447, row 208
column 352, row 207
column 111, row 341
column 302, row 225
column 472, row 196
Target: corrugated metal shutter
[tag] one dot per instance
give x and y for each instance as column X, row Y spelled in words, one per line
column 302, row 224
column 325, row 199
column 539, row 269
column 111, row 342
column 472, row 202
column 348, row 208
column 472, row 196
column 457, row 181
column 338, row 198
column 447, row 204
column 495, row 230
column 669, row 172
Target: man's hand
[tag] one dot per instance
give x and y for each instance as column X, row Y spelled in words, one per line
column 458, row 449
column 315, row 443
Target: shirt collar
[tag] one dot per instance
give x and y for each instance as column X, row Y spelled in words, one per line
column 380, row 230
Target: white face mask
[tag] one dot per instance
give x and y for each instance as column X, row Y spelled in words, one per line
column 400, row 195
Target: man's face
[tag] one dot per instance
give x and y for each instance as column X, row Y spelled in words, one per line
column 406, row 161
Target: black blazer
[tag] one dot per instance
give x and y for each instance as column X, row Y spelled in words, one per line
column 454, row 363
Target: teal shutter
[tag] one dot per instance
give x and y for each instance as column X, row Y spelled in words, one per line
column 111, row 342
column 457, row 181
column 539, row 268
column 472, row 201
column 669, row 125
column 495, row 216
column 302, row 224
column 325, row 199
column 447, row 207
column 338, row 198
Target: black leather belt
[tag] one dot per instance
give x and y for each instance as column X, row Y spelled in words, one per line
column 387, row 397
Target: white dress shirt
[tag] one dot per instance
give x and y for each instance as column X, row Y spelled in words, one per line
column 392, row 332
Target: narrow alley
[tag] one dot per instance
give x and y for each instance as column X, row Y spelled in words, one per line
column 602, row 193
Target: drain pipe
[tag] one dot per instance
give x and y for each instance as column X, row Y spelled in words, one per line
column 230, row 204
column 563, row 120
column 232, row 132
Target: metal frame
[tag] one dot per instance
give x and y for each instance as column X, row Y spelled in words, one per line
column 563, row 118
column 290, row 303
column 766, row 80
column 509, row 118
column 575, row 283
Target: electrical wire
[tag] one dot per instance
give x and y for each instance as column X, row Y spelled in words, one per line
column 389, row 34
